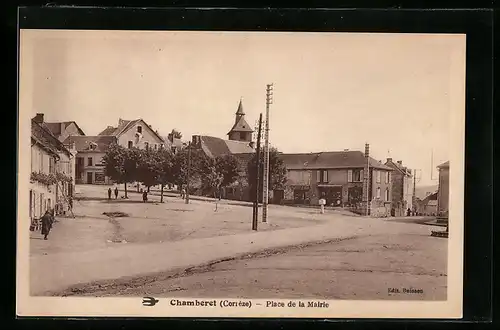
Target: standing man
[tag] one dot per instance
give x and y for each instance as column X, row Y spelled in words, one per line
column 46, row 224
column 116, row 192
column 109, row 193
column 322, row 203
column 145, row 196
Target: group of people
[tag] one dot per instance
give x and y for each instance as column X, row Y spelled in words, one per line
column 116, row 193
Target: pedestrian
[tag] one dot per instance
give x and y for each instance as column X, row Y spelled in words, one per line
column 109, row 193
column 47, row 221
column 116, row 192
column 408, row 212
column 322, row 203
column 145, row 196
column 70, row 203
column 183, row 193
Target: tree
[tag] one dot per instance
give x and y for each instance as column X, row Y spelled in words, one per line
column 213, row 177
column 148, row 168
column 180, row 166
column 165, row 163
column 227, row 166
column 277, row 171
column 121, row 164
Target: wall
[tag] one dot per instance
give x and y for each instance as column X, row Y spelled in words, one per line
column 42, row 196
column 443, row 190
column 383, row 185
column 147, row 136
column 97, row 166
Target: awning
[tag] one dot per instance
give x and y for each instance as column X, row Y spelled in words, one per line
column 327, row 185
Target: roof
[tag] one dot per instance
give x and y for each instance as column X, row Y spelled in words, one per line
column 402, row 169
column 82, row 143
column 44, row 137
column 123, row 125
column 445, row 165
column 330, row 160
column 421, row 192
column 214, row 146
column 241, row 125
column 240, row 109
column 55, row 128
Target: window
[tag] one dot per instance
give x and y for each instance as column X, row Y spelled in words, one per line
column 156, row 146
column 139, row 129
column 51, row 165
column 386, row 195
column 323, row 176
column 130, row 144
column 89, row 161
column 146, row 145
column 378, row 176
column 378, row 192
column 387, row 177
column 354, row 175
column 161, row 146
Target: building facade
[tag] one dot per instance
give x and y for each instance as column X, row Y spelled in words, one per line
column 402, row 187
column 443, row 190
column 339, row 177
column 51, row 180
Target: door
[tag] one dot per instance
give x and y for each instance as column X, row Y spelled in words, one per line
column 89, row 177
column 334, row 196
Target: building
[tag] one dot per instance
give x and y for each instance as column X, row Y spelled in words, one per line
column 402, row 187
column 63, row 130
column 239, row 144
column 443, row 190
column 134, row 134
column 428, row 205
column 339, row 177
column 240, row 131
column 89, row 168
column 51, row 180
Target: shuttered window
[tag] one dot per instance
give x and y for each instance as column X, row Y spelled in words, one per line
column 349, row 176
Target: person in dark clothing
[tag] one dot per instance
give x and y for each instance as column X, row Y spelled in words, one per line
column 116, row 192
column 408, row 212
column 70, row 202
column 109, row 193
column 47, row 221
column 145, row 196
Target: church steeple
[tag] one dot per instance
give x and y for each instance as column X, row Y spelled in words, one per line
column 241, row 131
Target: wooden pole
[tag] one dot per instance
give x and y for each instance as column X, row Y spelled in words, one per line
column 265, row 185
column 188, row 172
column 257, row 180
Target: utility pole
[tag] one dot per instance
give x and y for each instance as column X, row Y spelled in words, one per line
column 188, row 170
column 265, row 185
column 257, row 180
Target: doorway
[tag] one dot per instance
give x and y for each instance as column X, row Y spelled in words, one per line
column 89, row 177
column 333, row 195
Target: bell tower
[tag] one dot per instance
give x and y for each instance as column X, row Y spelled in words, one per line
column 240, row 131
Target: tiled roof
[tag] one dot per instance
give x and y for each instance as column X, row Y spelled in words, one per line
column 55, row 128
column 241, row 126
column 82, row 143
column 214, row 146
column 108, row 131
column 123, row 125
column 445, row 165
column 330, row 160
column 399, row 167
column 46, row 139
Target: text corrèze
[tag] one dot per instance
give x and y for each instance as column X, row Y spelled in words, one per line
column 225, row 303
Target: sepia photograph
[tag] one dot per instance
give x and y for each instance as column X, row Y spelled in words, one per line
column 240, row 174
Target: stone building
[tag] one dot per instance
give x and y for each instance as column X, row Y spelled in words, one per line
column 339, row 177
column 402, row 187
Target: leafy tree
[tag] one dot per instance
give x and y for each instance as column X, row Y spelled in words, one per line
column 180, row 166
column 213, row 177
column 148, row 168
column 227, row 166
column 121, row 164
column 165, row 164
column 277, row 171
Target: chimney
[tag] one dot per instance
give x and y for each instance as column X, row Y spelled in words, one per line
column 252, row 144
column 389, row 160
column 38, row 118
column 120, row 121
column 400, row 162
column 346, row 150
column 61, row 129
column 195, row 141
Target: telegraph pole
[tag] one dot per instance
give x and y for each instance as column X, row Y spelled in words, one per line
column 188, row 170
column 257, row 183
column 265, row 185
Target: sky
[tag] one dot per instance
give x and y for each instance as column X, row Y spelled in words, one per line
column 332, row 91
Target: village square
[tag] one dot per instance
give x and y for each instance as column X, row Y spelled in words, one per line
column 164, row 167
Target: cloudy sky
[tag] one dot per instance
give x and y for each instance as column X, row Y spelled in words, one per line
column 332, row 91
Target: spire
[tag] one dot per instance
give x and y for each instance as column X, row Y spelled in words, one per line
column 240, row 111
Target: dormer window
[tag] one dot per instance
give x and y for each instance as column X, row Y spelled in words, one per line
column 139, row 129
column 146, row 145
column 174, row 150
